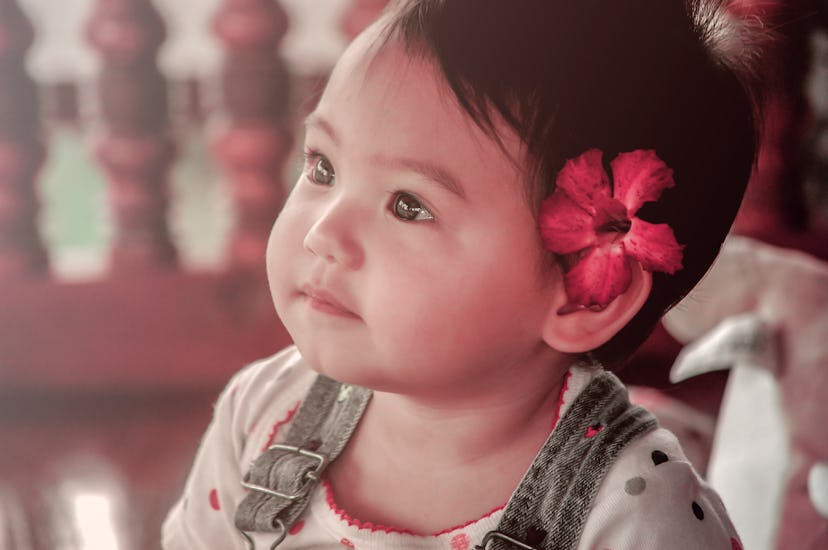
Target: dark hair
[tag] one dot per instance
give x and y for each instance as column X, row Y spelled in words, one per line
column 617, row 75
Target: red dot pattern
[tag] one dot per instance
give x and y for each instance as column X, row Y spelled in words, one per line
column 460, row 542
column 214, row 500
column 297, row 527
column 592, row 431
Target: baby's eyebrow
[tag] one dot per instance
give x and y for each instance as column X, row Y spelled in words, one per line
column 430, row 171
column 315, row 120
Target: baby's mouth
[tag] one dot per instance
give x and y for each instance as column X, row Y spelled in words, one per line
column 325, row 302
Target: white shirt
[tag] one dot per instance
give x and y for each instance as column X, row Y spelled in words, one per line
column 641, row 505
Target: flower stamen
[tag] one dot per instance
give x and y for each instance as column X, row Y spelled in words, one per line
column 616, row 226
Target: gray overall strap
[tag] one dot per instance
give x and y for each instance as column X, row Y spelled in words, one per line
column 550, row 505
column 281, row 479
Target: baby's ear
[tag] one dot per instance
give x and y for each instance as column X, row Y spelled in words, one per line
column 585, row 329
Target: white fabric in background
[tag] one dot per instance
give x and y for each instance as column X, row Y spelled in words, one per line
column 762, row 311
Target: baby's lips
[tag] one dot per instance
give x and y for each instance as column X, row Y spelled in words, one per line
column 327, row 299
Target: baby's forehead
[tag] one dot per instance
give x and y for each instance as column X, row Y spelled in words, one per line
column 394, row 86
column 375, row 55
column 380, row 69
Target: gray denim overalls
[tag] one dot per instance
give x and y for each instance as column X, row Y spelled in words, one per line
column 547, row 511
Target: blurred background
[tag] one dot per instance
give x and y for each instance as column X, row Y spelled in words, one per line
column 146, row 147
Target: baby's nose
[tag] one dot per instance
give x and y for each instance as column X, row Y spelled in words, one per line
column 333, row 238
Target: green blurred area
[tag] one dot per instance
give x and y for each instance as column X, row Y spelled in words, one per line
column 75, row 219
column 72, row 191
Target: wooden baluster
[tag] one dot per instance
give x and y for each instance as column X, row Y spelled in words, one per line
column 135, row 148
column 253, row 139
column 21, row 150
column 360, row 14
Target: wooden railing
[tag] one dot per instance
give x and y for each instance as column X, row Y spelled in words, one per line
column 108, row 373
column 149, row 322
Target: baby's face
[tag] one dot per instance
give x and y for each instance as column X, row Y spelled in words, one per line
column 406, row 258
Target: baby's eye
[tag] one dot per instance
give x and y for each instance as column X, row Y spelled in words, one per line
column 408, row 208
column 321, row 170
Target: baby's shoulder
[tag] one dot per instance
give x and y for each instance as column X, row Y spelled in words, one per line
column 282, row 369
column 652, row 496
column 651, row 449
column 269, row 384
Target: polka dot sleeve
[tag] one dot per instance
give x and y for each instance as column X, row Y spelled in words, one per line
column 652, row 499
column 255, row 408
column 198, row 519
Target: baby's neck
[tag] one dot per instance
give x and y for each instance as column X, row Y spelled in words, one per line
column 426, row 465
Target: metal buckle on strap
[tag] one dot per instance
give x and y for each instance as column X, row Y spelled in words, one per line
column 280, row 536
column 311, row 477
column 492, row 535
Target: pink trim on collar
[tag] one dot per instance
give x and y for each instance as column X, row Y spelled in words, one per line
column 564, row 387
column 275, row 429
column 463, row 526
column 375, row 527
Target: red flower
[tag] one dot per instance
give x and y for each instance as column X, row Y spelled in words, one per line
column 594, row 221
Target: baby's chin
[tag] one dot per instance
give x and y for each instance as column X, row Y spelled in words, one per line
column 350, row 370
column 330, row 362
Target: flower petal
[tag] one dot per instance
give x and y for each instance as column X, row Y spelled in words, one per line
column 599, row 277
column 638, row 177
column 584, row 178
column 654, row 245
column 564, row 226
